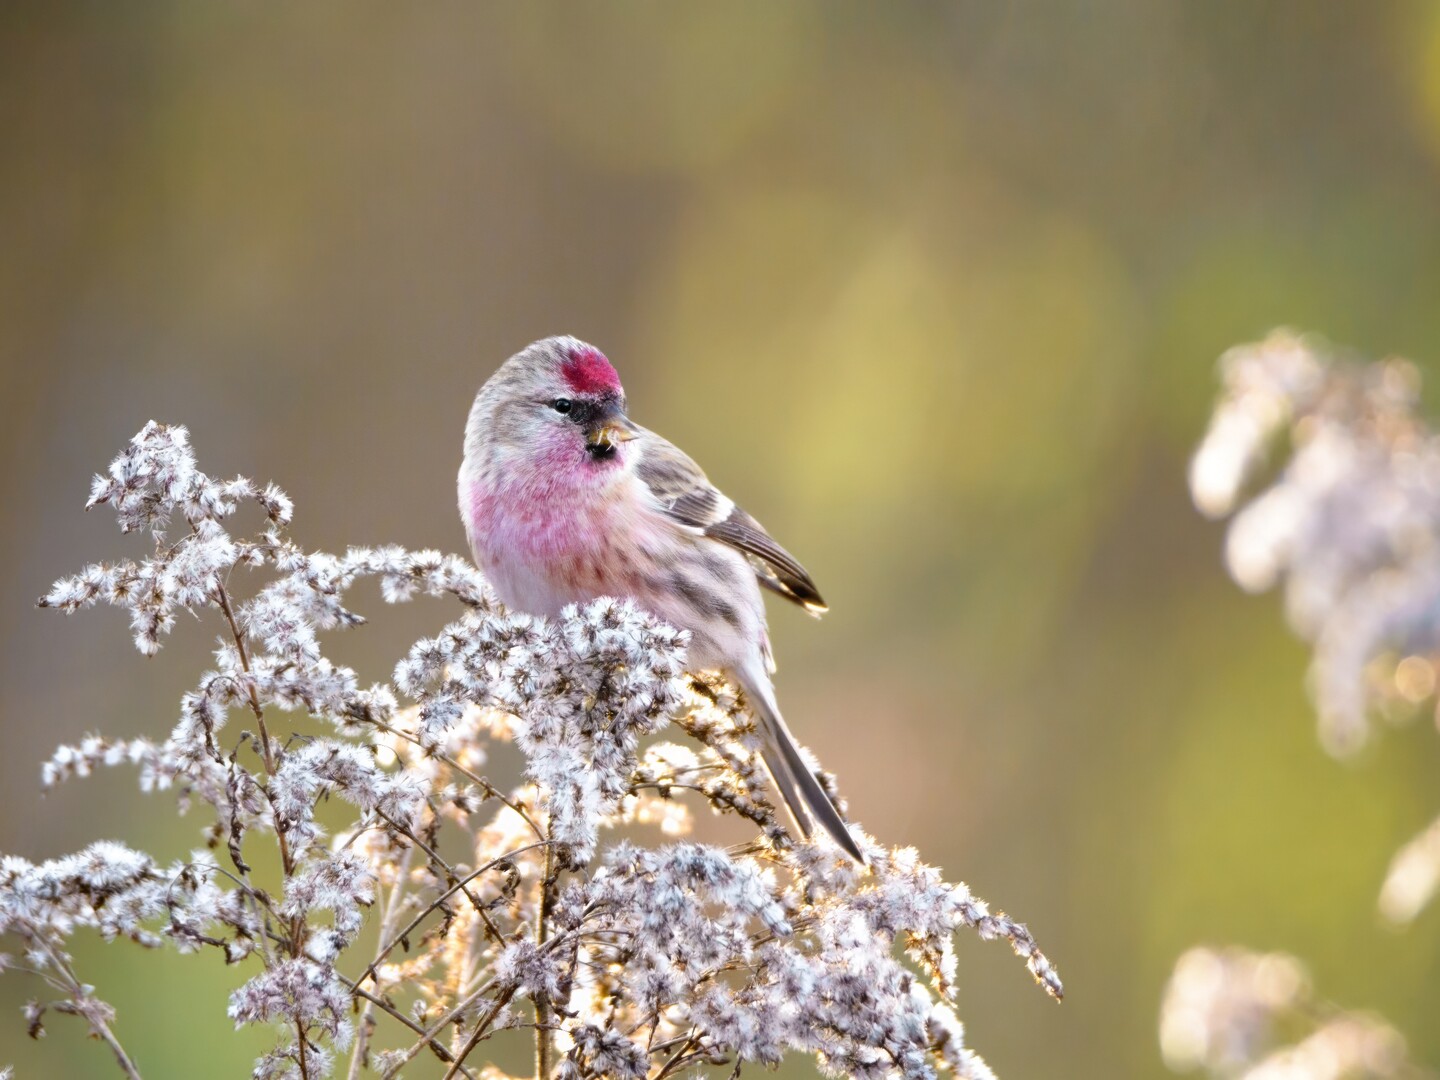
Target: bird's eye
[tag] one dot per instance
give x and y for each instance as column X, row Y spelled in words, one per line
column 561, row 405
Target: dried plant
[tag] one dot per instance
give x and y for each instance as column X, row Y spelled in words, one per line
column 1351, row 524
column 447, row 912
column 1250, row 1015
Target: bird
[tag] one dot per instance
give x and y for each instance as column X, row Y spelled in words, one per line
column 565, row 499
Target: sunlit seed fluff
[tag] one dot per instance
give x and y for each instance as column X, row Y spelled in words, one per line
column 1349, row 524
column 719, row 956
column 1232, row 1012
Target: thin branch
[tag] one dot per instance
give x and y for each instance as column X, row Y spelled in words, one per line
column 489, row 790
column 450, row 875
column 459, row 1009
column 427, row 1040
column 300, row 1036
column 434, row 905
column 387, row 926
column 287, row 859
column 79, row 993
column 544, row 1044
column 690, row 1041
column 480, row 1034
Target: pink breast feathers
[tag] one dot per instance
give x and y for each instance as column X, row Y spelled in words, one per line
column 588, row 372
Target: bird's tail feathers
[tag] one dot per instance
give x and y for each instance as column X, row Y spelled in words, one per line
column 806, row 800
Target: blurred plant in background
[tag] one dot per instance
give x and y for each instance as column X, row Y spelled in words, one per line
column 1350, row 523
column 636, row 962
column 1241, row 1014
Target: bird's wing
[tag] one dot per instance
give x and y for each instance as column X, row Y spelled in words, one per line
column 686, row 495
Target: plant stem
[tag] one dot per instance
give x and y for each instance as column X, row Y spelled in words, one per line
column 265, row 753
column 127, row 1066
column 480, row 1033
column 388, row 919
column 437, row 1048
column 544, row 1043
column 450, row 875
column 489, row 790
column 287, row 860
column 300, row 1035
column 97, row 1023
column 462, row 1007
column 391, row 940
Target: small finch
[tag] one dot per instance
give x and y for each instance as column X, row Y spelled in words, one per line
column 565, row 499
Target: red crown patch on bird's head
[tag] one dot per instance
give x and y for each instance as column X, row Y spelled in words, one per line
column 588, row 372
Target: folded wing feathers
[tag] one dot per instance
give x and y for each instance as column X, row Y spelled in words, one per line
column 684, row 492
column 778, row 570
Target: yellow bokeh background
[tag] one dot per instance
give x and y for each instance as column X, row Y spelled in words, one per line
column 933, row 290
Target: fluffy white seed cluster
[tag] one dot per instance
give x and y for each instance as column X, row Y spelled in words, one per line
column 448, row 913
column 1254, row 1016
column 817, row 945
column 1350, row 523
column 583, row 692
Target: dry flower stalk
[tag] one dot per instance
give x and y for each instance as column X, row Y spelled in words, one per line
column 495, row 914
column 1351, row 523
column 1254, row 1016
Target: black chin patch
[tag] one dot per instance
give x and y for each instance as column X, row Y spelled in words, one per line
column 600, row 451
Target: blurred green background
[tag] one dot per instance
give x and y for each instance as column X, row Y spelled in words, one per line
column 934, row 290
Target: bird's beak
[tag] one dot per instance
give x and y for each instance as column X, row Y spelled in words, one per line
column 610, row 432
